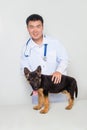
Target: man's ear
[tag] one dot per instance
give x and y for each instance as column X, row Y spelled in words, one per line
column 38, row 70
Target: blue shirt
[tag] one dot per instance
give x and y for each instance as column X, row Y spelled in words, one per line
column 56, row 56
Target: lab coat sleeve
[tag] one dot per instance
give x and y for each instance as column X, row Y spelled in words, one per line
column 62, row 60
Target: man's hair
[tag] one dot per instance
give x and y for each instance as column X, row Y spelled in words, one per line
column 34, row 17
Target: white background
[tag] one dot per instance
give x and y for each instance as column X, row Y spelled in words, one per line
column 64, row 19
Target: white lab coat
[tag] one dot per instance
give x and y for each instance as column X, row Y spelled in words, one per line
column 57, row 58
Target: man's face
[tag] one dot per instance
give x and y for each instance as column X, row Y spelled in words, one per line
column 35, row 29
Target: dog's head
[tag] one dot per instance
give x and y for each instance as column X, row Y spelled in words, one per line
column 33, row 77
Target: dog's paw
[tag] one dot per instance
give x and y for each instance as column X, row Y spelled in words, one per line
column 37, row 107
column 44, row 111
column 68, row 107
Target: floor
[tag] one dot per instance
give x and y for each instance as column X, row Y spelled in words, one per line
column 23, row 117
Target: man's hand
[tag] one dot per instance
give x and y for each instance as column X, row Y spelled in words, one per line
column 56, row 77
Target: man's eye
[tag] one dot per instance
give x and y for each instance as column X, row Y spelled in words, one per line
column 38, row 26
column 30, row 26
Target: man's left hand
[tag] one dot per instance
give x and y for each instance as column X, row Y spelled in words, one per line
column 56, row 77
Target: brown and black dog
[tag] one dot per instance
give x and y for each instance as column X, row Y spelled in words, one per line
column 44, row 85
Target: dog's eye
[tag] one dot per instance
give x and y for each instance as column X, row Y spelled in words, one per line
column 31, row 79
column 37, row 78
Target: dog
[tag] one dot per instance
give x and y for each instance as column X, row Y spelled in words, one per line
column 44, row 85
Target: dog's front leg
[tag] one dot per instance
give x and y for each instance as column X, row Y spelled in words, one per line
column 40, row 100
column 46, row 105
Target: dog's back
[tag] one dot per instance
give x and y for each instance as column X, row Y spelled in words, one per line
column 67, row 83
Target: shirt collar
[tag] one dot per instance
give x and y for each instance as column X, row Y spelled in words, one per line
column 33, row 44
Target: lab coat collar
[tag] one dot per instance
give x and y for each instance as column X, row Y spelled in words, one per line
column 33, row 44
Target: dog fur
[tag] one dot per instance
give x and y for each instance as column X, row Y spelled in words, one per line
column 44, row 85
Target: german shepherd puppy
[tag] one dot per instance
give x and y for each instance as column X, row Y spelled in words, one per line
column 44, row 85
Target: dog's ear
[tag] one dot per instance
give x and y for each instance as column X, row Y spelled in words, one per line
column 26, row 72
column 38, row 70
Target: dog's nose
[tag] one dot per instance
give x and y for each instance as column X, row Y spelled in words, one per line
column 35, row 88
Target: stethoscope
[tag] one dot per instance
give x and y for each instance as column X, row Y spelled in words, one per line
column 26, row 52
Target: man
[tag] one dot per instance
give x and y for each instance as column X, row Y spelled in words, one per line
column 43, row 50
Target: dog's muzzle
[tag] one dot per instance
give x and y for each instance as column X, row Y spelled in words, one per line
column 35, row 88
